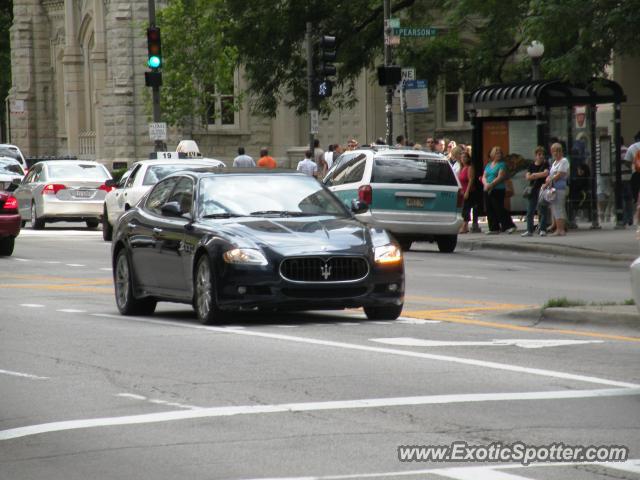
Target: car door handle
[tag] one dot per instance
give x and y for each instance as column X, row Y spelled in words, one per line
column 157, row 231
column 131, row 225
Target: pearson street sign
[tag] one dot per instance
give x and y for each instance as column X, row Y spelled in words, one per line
column 415, row 32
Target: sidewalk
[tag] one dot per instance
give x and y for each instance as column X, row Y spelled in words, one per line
column 607, row 243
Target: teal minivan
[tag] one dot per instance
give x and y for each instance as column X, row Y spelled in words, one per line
column 413, row 194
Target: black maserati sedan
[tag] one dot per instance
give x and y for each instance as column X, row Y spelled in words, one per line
column 252, row 240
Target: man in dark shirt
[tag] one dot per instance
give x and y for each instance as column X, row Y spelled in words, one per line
column 537, row 173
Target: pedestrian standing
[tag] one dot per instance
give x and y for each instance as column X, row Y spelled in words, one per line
column 536, row 175
column 557, row 180
column 456, row 159
column 632, row 159
column 328, row 156
column 493, row 179
column 465, row 176
column 400, row 141
column 431, row 145
column 243, row 160
column 308, row 166
column 266, row 161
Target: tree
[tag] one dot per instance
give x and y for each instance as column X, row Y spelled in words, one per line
column 197, row 62
column 479, row 41
column 6, row 19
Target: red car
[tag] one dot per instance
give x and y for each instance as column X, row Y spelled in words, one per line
column 9, row 223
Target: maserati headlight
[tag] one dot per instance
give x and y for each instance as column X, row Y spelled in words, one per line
column 387, row 254
column 245, row 256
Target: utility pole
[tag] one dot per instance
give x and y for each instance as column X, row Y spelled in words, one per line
column 387, row 62
column 155, row 89
column 310, row 78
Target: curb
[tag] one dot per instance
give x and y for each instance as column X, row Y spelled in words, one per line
column 568, row 250
column 580, row 316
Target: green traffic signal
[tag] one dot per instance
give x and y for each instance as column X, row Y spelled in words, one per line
column 154, row 61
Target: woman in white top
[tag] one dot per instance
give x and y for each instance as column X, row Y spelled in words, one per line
column 558, row 175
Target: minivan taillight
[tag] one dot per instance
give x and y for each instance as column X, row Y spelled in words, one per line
column 365, row 194
column 460, row 201
column 52, row 188
column 10, row 205
column 105, row 188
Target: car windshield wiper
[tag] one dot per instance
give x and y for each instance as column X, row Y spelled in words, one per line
column 221, row 215
column 284, row 213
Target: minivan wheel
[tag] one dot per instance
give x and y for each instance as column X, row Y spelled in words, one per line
column 388, row 312
column 447, row 243
column 123, row 282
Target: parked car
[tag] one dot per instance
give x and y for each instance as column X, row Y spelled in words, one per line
column 415, row 195
column 137, row 181
column 9, row 223
column 63, row 190
column 11, row 151
column 11, row 172
column 235, row 240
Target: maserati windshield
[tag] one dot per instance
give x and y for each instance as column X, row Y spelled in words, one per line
column 266, row 195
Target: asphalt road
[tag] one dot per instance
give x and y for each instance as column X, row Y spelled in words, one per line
column 87, row 393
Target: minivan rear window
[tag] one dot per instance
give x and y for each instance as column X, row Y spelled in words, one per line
column 413, row 170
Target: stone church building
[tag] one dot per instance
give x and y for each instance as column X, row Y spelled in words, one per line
column 78, row 89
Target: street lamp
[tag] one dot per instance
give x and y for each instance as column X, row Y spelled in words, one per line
column 535, row 52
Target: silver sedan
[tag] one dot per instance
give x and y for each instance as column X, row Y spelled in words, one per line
column 63, row 190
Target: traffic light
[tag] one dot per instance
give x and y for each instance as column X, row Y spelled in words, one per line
column 154, row 48
column 323, row 88
column 389, row 75
column 327, row 55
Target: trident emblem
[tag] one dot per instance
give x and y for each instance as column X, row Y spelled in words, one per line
column 325, row 271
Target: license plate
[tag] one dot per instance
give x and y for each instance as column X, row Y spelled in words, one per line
column 415, row 202
column 83, row 194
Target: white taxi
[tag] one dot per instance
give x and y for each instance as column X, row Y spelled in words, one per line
column 138, row 180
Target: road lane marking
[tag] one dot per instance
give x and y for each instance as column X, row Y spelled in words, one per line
column 453, row 275
column 521, row 328
column 131, row 395
column 366, row 403
column 75, row 265
column 105, row 269
column 384, row 350
column 157, row 401
column 522, row 343
column 475, row 473
column 71, row 310
column 30, row 305
column 24, row 375
column 73, row 287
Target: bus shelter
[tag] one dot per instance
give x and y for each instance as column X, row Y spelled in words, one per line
column 585, row 119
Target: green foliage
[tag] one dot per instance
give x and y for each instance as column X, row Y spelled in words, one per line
column 563, row 302
column 483, row 41
column 197, row 60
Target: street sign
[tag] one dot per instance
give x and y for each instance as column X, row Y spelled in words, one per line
column 393, row 41
column 406, row 74
column 394, row 23
column 315, row 121
column 416, row 95
column 158, row 131
column 415, row 32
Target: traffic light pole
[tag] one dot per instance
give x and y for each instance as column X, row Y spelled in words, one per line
column 310, row 77
column 155, row 90
column 387, row 62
